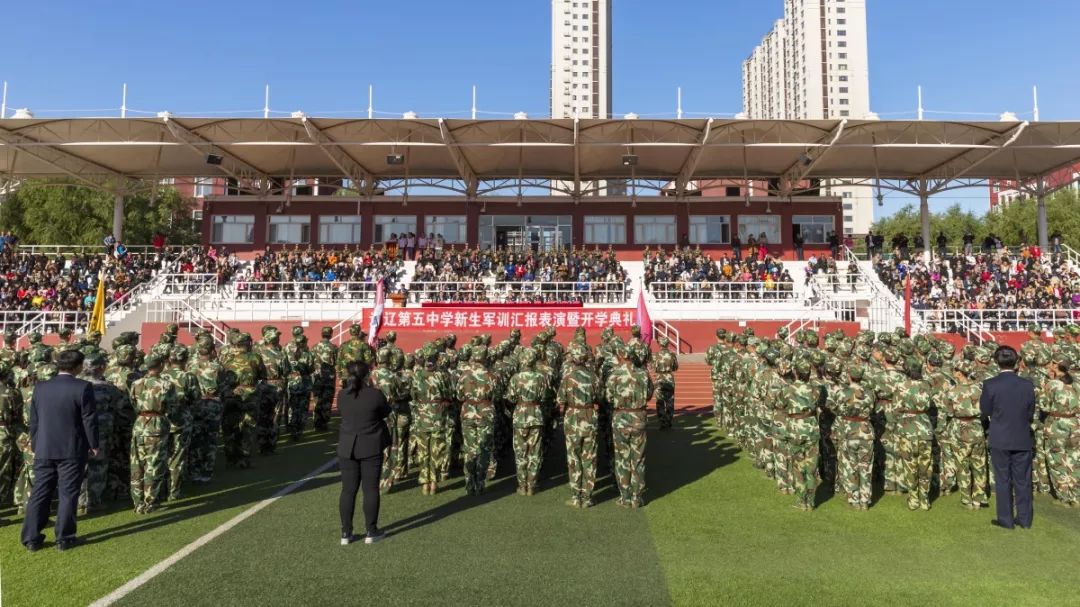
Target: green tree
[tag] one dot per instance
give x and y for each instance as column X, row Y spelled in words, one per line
column 58, row 212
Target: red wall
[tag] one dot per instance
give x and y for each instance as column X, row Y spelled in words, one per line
column 314, row 206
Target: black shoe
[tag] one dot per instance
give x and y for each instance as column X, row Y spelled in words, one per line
column 1024, row 526
column 34, row 546
column 69, row 544
column 998, row 523
column 372, row 538
column 348, row 538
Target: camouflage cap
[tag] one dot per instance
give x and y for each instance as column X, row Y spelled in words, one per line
column 1074, row 330
column 983, row 357
column 45, row 372
column 900, row 332
column 178, row 354
column 1034, row 328
column 885, row 338
column 1059, row 332
column 934, row 359
column 913, row 367
column 34, row 337
column 154, row 361
column 515, row 333
column 382, row 357
column 663, row 341
column 479, row 354
column 834, row 367
column 782, row 333
column 856, row 372
column 354, row 330
column 130, row 337
column 801, row 366
column 748, row 331
column 269, row 330
column 579, row 354
column 65, row 332
column 891, row 355
column 243, row 339
column 771, row 356
column 204, row 349
column 297, row 331
column 172, row 329
column 391, row 337
column 96, row 360
column 721, row 333
column 817, row 358
column 124, row 353
column 635, row 330
column 527, row 357
column 326, row 332
column 864, row 351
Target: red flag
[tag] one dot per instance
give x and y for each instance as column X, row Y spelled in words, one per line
column 377, row 314
column 643, row 319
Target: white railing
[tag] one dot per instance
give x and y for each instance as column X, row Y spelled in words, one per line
column 301, row 290
column 885, row 311
column 505, row 292
column 42, row 321
column 674, row 292
column 991, row 321
column 181, row 312
column 662, row 328
column 188, row 284
column 95, row 249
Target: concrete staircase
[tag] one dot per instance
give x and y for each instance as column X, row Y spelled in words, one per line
column 693, row 385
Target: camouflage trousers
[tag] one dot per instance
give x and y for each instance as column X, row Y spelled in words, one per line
column 502, row 438
column 205, row 430
column 24, row 482
column 9, row 458
column 855, row 467
column 149, row 469
column 581, row 461
column 396, row 456
column 299, row 400
column 453, row 437
column 527, row 457
column 323, row 392
column 916, row 466
column 238, row 427
column 477, row 440
column 1040, row 470
column 971, row 471
column 120, row 458
column 629, row 469
column 431, row 451
column 96, row 480
column 665, row 402
column 266, row 425
column 947, row 465
column 803, row 468
column 1062, row 443
column 717, row 400
column 179, row 452
column 893, row 472
column 778, row 459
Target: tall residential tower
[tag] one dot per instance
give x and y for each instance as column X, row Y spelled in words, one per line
column 581, row 58
column 814, row 65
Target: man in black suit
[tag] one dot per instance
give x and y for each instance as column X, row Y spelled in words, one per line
column 63, row 435
column 1008, row 406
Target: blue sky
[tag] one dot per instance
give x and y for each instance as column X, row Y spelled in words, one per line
column 971, row 57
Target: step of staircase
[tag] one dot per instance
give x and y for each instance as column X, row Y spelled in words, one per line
column 693, row 388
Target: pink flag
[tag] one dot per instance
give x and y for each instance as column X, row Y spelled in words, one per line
column 376, row 315
column 643, row 319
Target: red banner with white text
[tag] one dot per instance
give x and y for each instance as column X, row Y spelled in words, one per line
column 513, row 318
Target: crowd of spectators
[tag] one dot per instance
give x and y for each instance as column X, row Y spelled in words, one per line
column 692, row 274
column 1004, row 287
column 61, row 281
column 294, row 273
column 505, row 275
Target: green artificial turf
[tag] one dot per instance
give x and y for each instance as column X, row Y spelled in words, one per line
column 715, row 532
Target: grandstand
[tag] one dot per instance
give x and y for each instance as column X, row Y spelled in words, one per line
column 492, row 225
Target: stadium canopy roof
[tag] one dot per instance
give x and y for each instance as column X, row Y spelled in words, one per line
column 96, row 150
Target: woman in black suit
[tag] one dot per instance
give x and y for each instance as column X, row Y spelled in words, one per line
column 361, row 441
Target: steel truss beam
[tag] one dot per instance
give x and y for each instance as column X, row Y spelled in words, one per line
column 805, row 165
column 686, row 173
column 233, row 166
column 348, row 165
column 472, row 184
column 81, row 169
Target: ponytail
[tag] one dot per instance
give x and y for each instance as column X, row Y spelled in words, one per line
column 356, row 377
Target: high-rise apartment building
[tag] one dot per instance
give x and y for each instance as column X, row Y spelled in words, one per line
column 814, row 65
column 580, row 58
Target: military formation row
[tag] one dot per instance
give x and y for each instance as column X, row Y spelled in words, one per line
column 889, row 412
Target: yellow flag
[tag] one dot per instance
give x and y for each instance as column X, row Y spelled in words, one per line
column 97, row 317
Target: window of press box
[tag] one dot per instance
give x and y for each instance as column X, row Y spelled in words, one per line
column 289, row 229
column 385, row 225
column 654, row 229
column 759, row 227
column 339, row 229
column 710, row 229
column 605, row 229
column 233, row 229
column 814, row 229
column 451, row 227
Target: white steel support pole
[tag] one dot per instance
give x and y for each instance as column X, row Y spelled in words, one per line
column 266, row 102
column 3, row 102
column 920, row 103
column 1035, row 96
column 678, row 103
column 118, row 218
column 123, row 102
column 924, row 217
column 474, row 102
column 1041, row 222
column 370, row 102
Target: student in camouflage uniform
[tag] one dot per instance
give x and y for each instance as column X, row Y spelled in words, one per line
column 206, row 422
column 9, row 351
column 712, row 358
column 477, row 390
column 853, row 406
column 276, row 363
column 430, row 393
column 801, row 400
column 107, row 399
column 389, row 382
column 324, row 377
column 42, row 370
column 1037, row 356
column 163, row 348
column 356, row 348
column 396, row 465
column 579, row 393
column 152, row 396
column 665, row 364
column 241, row 404
column 628, row 390
column 1060, row 406
column 122, row 373
column 11, row 425
column 181, row 417
column 527, row 390
column 914, row 435
column 301, row 367
column 960, row 407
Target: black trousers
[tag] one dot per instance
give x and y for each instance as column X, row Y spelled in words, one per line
column 50, row 475
column 357, row 474
column 1012, row 486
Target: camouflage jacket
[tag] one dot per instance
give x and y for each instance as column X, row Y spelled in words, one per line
column 325, row 356
column 244, row 371
column 477, row 390
column 211, row 377
column 181, row 412
column 388, row 383
column 852, row 403
column 11, row 412
column 962, row 401
column 801, row 400
column 527, row 390
column 664, row 365
column 1061, row 399
column 628, row 390
column 579, row 394
column 914, row 395
column 276, row 362
column 301, row 366
column 153, row 395
column 431, row 391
